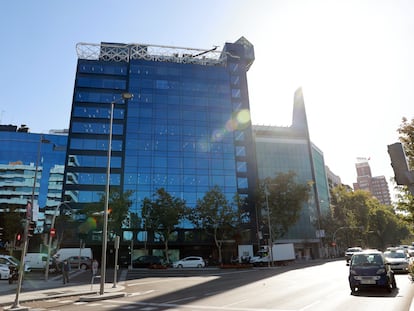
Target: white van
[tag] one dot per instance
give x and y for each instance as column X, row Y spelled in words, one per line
column 35, row 260
column 65, row 253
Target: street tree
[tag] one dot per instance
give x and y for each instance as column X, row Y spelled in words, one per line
column 285, row 198
column 405, row 199
column 118, row 211
column 11, row 223
column 386, row 228
column 162, row 214
column 364, row 221
column 217, row 216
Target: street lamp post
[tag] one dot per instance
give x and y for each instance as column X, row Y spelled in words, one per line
column 52, row 226
column 125, row 96
column 29, row 213
column 270, row 228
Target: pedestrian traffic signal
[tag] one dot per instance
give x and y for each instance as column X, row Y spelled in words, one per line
column 30, row 228
column 19, row 238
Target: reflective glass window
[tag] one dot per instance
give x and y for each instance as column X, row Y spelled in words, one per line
column 98, row 161
column 97, row 179
column 241, row 167
column 88, row 196
column 97, row 97
column 92, row 67
column 242, row 183
column 95, row 144
column 241, row 151
column 99, row 82
column 235, row 80
column 239, row 136
column 96, row 128
column 235, row 93
column 97, row 112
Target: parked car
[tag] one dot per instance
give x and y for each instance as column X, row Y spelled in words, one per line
column 82, row 262
column 10, row 260
column 370, row 269
column 398, row 260
column 411, row 251
column 36, row 260
column 190, row 262
column 147, row 261
column 65, row 253
column 350, row 251
column 4, row 272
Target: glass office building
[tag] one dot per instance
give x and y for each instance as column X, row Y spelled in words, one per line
column 284, row 149
column 186, row 129
column 31, row 165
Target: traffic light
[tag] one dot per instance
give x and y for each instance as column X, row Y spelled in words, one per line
column 19, row 239
column 399, row 164
column 30, row 228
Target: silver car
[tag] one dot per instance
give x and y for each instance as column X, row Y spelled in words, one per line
column 4, row 272
column 190, row 262
column 398, row 260
column 81, row 262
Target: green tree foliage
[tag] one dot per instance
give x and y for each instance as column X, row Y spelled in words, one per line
column 118, row 208
column 64, row 225
column 162, row 214
column 12, row 223
column 285, row 198
column 217, row 216
column 350, row 208
column 134, row 221
column 386, row 228
column 406, row 131
column 358, row 219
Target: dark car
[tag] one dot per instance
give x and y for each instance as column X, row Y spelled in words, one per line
column 370, row 269
column 147, row 261
column 350, row 251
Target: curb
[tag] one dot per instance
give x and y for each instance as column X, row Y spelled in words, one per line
column 97, row 297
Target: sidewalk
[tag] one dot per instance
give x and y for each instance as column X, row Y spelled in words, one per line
column 33, row 290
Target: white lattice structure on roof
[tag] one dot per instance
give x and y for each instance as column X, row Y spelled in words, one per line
column 160, row 53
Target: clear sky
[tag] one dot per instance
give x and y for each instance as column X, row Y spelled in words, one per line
column 354, row 60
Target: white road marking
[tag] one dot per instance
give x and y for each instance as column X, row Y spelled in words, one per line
column 65, row 301
column 182, row 299
column 236, row 303
column 140, row 293
column 79, row 303
column 310, row 305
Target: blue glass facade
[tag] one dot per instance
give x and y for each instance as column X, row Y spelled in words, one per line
column 19, row 154
column 186, row 129
column 284, row 149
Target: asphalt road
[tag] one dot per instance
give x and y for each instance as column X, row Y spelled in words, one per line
column 317, row 287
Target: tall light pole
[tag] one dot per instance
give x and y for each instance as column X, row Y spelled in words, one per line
column 270, row 228
column 125, row 96
column 52, row 226
column 29, row 212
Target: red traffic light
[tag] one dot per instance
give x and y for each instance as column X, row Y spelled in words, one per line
column 52, row 232
column 19, row 237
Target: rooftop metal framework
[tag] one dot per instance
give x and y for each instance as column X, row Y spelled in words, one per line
column 126, row 52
